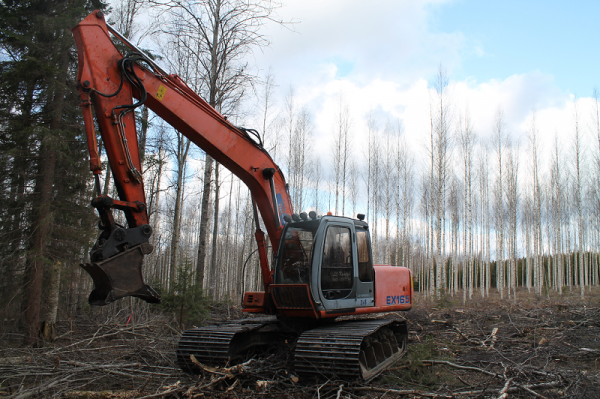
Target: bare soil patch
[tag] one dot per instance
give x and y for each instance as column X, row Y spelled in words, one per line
column 492, row 348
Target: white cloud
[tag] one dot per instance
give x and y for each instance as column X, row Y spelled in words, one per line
column 381, row 40
column 518, row 96
column 379, row 55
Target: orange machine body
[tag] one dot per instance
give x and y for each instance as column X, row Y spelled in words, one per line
column 393, row 292
column 107, row 84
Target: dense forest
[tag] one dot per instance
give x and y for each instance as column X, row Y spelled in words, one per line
column 470, row 212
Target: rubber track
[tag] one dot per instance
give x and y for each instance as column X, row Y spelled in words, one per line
column 333, row 351
column 210, row 345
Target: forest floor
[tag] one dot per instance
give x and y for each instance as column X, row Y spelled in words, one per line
column 491, row 348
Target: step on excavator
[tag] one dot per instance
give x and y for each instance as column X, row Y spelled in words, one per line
column 323, row 297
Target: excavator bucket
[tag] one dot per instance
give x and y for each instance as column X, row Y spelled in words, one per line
column 120, row 276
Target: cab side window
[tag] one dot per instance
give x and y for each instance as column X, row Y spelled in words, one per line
column 365, row 263
column 337, row 265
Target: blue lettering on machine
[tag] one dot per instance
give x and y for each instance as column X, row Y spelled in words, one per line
column 398, row 299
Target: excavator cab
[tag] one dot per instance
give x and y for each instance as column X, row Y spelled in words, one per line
column 331, row 258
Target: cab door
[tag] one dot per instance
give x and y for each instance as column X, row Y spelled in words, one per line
column 340, row 284
column 365, row 291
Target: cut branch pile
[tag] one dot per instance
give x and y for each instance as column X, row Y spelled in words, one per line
column 493, row 351
column 93, row 357
column 543, row 350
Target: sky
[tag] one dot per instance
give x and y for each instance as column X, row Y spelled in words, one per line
column 383, row 56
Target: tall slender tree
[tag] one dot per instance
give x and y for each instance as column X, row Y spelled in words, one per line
column 39, row 112
column 537, row 267
column 441, row 122
column 467, row 141
column 578, row 172
column 341, row 152
column 222, row 33
column 499, row 145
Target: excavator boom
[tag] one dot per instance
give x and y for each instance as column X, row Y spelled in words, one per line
column 108, row 81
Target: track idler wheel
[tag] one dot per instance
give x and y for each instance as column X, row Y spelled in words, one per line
column 350, row 350
column 381, row 349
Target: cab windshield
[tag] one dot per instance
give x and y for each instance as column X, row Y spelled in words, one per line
column 296, row 252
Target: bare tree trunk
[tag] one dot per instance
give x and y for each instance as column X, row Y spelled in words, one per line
column 213, row 259
column 467, row 142
column 43, row 215
column 578, row 165
column 557, row 194
column 538, row 269
column 407, row 167
column 222, row 34
column 204, row 210
column 499, row 143
column 440, row 147
column 371, row 127
column 183, row 147
column 317, row 182
column 300, row 172
column 388, row 184
column 340, row 152
column 53, row 295
column 512, row 197
column 485, row 218
column 290, row 121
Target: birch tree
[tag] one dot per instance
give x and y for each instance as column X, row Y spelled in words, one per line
column 353, row 187
column 577, row 157
column 484, row 211
column 341, row 152
column 407, row 183
column 595, row 117
column 317, row 182
column 404, row 164
column 370, row 158
column 388, row 184
column 440, row 116
column 288, row 123
column 557, row 200
column 499, row 145
column 371, row 178
column 537, row 266
column 181, row 154
column 222, row 34
column 467, row 140
column 300, row 158
column 512, row 208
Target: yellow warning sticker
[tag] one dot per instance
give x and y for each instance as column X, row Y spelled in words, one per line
column 160, row 93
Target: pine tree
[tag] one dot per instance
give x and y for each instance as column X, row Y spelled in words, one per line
column 47, row 220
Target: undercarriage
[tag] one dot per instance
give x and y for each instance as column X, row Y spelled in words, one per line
column 345, row 350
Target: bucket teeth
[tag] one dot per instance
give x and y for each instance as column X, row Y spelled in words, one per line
column 120, row 276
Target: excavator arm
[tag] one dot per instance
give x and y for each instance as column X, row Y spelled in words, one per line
column 109, row 82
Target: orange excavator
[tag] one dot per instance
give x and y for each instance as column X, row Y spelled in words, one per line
column 323, row 298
